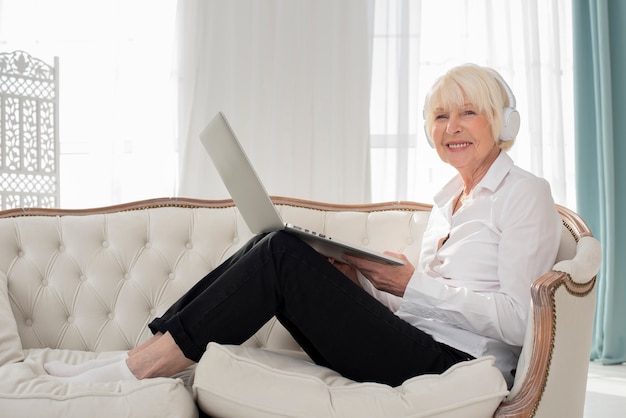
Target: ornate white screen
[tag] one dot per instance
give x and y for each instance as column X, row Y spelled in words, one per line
column 29, row 139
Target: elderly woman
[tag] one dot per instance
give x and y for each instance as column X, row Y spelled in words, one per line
column 492, row 230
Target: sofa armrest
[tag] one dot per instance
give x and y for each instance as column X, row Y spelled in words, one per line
column 552, row 372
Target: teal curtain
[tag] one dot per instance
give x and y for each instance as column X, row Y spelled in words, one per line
column 599, row 28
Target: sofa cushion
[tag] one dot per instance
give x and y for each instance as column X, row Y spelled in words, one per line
column 27, row 391
column 10, row 343
column 235, row 381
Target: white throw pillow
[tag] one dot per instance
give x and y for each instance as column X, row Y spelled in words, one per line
column 236, row 381
column 10, row 343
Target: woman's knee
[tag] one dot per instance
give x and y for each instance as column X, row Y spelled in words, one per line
column 281, row 238
column 282, row 241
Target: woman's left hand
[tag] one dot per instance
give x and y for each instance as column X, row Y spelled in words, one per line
column 347, row 269
column 390, row 279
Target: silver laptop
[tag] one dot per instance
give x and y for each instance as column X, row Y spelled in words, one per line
column 254, row 203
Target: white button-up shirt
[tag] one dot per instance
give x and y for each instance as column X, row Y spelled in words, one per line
column 473, row 292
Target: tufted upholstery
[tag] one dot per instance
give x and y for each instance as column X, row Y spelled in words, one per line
column 81, row 284
column 94, row 282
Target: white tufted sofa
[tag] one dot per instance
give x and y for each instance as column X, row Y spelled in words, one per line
column 83, row 284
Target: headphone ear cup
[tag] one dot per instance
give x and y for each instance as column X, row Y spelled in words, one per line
column 510, row 124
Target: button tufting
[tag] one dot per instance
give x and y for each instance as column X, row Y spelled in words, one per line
column 148, row 245
column 152, row 311
column 105, row 244
column 61, row 248
column 366, row 241
column 172, row 276
column 20, row 253
column 83, row 278
column 189, row 246
column 44, row 282
column 111, row 316
column 126, row 276
column 29, row 322
column 236, row 240
column 70, row 319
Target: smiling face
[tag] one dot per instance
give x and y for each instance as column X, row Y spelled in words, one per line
column 464, row 138
column 463, row 119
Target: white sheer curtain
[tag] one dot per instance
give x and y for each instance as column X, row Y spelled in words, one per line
column 293, row 79
column 117, row 99
column 527, row 41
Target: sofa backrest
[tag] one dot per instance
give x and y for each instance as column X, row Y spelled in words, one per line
column 93, row 279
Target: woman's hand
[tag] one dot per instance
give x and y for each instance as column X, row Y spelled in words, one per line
column 390, row 279
column 347, row 269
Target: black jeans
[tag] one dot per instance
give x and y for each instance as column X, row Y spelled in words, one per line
column 337, row 323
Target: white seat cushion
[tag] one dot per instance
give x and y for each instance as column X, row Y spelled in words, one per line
column 27, row 391
column 236, row 381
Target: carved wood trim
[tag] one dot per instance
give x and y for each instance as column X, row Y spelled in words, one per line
column 542, row 294
column 202, row 203
column 574, row 223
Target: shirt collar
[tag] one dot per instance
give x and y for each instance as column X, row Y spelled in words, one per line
column 492, row 179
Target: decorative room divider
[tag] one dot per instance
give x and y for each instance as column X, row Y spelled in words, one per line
column 29, row 131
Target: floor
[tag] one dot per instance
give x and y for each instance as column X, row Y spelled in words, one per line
column 606, row 391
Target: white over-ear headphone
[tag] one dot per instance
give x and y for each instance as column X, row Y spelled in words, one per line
column 510, row 115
